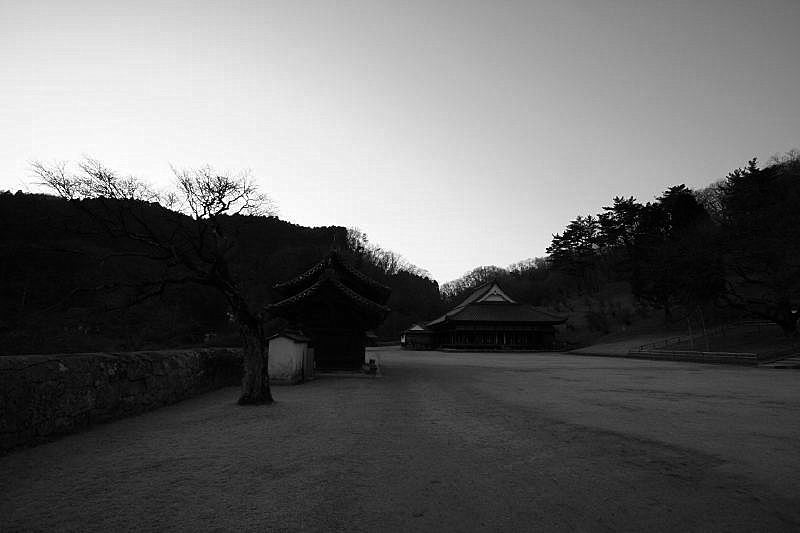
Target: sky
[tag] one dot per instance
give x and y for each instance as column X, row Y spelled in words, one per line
column 457, row 134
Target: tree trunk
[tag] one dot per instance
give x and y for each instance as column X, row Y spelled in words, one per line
column 255, row 382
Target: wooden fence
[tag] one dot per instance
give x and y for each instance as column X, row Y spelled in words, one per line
column 730, row 358
column 711, row 332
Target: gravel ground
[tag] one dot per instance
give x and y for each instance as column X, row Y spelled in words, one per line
column 462, row 442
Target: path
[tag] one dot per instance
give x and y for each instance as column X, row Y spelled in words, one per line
column 441, row 442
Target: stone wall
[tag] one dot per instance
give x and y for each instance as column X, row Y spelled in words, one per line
column 42, row 396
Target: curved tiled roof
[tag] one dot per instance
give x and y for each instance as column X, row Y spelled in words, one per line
column 307, row 275
column 335, row 258
column 498, row 312
column 352, row 295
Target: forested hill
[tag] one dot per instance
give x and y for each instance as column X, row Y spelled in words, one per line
column 721, row 253
column 725, row 252
column 68, row 287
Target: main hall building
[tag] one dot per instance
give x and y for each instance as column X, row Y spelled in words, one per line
column 488, row 319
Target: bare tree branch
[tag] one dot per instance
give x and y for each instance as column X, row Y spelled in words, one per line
column 185, row 229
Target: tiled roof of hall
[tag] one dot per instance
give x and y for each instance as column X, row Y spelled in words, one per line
column 334, row 259
column 503, row 312
column 471, row 309
column 327, row 279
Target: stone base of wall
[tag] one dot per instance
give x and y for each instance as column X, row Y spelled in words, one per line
column 43, row 396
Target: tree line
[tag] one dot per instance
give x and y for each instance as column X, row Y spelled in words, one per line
column 731, row 249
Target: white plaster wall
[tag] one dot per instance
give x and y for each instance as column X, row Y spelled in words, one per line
column 286, row 359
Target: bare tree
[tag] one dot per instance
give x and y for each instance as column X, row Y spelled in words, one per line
column 189, row 231
column 387, row 262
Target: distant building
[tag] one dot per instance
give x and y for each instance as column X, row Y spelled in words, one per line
column 335, row 305
column 417, row 337
column 489, row 319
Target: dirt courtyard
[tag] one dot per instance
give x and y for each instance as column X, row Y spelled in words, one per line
column 440, row 442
